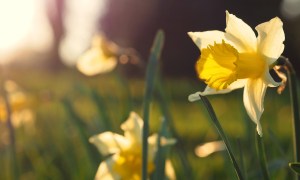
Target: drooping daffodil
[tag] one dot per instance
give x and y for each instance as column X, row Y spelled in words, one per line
column 100, row 58
column 125, row 161
column 238, row 58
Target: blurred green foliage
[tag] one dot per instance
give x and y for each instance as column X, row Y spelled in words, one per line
column 69, row 108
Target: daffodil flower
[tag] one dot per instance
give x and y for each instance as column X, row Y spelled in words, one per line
column 237, row 58
column 18, row 103
column 125, row 161
column 100, row 58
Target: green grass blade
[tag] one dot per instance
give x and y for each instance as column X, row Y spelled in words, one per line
column 160, row 157
column 262, row 157
column 179, row 146
column 220, row 130
column 12, row 142
column 81, row 132
column 101, row 107
column 150, row 74
column 295, row 108
column 295, row 167
column 241, row 158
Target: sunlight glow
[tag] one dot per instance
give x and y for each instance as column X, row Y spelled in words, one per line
column 16, row 18
column 290, row 8
column 25, row 29
column 209, row 148
column 81, row 22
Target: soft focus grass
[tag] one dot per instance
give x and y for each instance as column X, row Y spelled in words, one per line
column 56, row 146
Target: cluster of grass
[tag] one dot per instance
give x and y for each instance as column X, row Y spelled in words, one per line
column 69, row 108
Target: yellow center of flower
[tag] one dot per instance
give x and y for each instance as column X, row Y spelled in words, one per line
column 221, row 64
column 129, row 165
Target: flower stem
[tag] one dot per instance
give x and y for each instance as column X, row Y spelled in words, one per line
column 13, row 154
column 295, row 108
column 150, row 74
column 262, row 156
column 219, row 128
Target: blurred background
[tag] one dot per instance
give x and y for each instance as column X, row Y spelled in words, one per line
column 53, row 33
column 58, row 109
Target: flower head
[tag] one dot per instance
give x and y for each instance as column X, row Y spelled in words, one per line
column 100, row 58
column 18, row 103
column 237, row 58
column 126, row 160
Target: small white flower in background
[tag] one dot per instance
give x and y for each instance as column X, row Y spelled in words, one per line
column 125, row 161
column 100, row 58
column 209, row 148
column 237, row 58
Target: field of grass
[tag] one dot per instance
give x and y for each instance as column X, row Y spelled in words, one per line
column 68, row 108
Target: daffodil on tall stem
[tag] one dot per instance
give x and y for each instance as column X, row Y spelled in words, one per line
column 237, row 58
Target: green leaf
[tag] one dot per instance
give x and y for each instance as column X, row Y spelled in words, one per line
column 295, row 166
column 216, row 123
column 150, row 77
column 262, row 156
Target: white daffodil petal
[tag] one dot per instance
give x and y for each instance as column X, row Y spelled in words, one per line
column 270, row 81
column 240, row 32
column 270, row 38
column 203, row 39
column 132, row 128
column 194, row 97
column 169, row 169
column 210, row 91
column 152, row 148
column 105, row 171
column 152, row 141
column 94, row 62
column 109, row 143
column 254, row 94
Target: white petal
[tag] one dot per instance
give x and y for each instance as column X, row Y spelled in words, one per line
column 94, row 61
column 152, row 146
column 254, row 94
column 210, row 91
column 240, row 33
column 169, row 169
column 109, row 143
column 270, row 81
column 105, row 171
column 194, row 97
column 203, row 39
column 152, row 141
column 270, row 39
column 132, row 128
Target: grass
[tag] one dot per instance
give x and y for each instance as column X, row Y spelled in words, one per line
column 53, row 147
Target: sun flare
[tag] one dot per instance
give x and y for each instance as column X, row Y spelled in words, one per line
column 16, row 18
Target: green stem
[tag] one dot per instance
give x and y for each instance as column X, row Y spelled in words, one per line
column 219, row 128
column 14, row 164
column 262, row 157
column 150, row 74
column 295, row 109
column 11, row 131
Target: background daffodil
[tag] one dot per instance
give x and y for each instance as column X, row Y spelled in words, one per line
column 19, row 104
column 100, row 58
column 126, row 160
column 237, row 58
